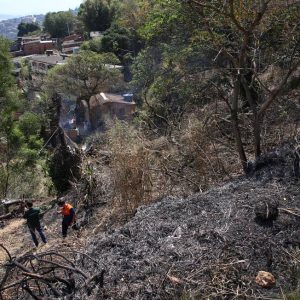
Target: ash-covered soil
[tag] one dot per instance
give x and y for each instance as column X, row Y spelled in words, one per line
column 208, row 246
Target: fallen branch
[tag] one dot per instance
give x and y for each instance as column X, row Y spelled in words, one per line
column 7, row 252
column 7, row 202
column 48, row 273
column 6, row 216
column 289, row 211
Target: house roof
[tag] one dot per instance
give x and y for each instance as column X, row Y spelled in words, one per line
column 53, row 59
column 70, row 44
column 31, row 42
column 24, row 38
column 38, row 42
column 73, row 37
column 46, row 42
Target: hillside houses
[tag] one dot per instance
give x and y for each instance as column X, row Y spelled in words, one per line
column 76, row 117
column 71, row 43
column 40, row 64
column 38, row 47
column 107, row 106
column 29, row 45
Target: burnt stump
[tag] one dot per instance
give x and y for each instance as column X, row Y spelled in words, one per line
column 266, row 210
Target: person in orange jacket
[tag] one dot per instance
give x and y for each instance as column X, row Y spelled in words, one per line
column 69, row 216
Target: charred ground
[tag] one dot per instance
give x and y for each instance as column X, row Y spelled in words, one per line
column 209, row 245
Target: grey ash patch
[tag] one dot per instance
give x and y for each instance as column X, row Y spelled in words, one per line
column 208, row 245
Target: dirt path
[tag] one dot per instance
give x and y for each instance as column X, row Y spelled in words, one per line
column 13, row 236
column 16, row 237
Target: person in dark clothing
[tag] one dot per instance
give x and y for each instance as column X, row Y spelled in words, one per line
column 32, row 215
column 68, row 213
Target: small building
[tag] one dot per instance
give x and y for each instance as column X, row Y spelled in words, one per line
column 104, row 107
column 40, row 64
column 72, row 43
column 37, row 46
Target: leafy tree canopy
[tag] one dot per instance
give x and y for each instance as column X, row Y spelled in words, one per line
column 19, row 131
column 84, row 75
column 6, row 79
column 20, row 135
column 25, row 28
column 120, row 41
column 59, row 24
column 97, row 15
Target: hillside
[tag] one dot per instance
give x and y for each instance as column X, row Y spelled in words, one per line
column 207, row 246
column 9, row 27
column 157, row 155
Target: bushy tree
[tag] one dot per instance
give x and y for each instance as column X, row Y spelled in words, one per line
column 6, row 79
column 19, row 133
column 120, row 41
column 25, row 28
column 97, row 15
column 20, row 138
column 84, row 75
column 59, row 24
column 92, row 45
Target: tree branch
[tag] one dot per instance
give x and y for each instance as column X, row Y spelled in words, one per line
column 276, row 92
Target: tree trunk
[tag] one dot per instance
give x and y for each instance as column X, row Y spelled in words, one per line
column 239, row 143
column 236, row 128
column 251, row 98
column 257, row 138
column 6, row 180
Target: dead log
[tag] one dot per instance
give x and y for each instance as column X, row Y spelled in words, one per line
column 6, row 216
column 6, row 203
column 9, row 202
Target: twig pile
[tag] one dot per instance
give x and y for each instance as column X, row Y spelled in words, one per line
column 48, row 275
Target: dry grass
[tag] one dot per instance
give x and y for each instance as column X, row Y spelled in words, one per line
column 130, row 167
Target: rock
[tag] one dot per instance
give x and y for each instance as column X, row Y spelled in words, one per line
column 265, row 279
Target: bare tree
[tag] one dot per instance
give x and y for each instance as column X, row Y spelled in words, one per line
column 248, row 37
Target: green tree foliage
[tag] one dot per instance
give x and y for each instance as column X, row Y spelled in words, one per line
column 164, row 74
column 19, row 137
column 84, row 74
column 6, row 79
column 97, row 15
column 59, row 24
column 133, row 14
column 92, row 45
column 25, row 28
column 120, row 41
column 19, row 133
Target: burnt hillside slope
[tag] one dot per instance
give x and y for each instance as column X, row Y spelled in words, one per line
column 209, row 245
